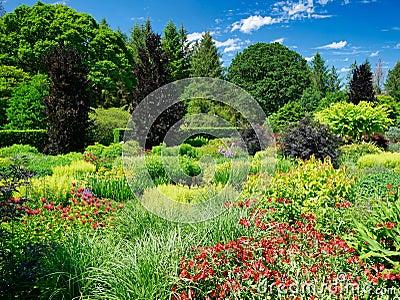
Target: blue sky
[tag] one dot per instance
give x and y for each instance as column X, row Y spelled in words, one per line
column 341, row 30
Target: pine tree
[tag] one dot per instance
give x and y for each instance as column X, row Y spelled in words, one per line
column 67, row 106
column 205, row 60
column 173, row 42
column 392, row 84
column 138, row 36
column 334, row 84
column 319, row 74
column 361, row 88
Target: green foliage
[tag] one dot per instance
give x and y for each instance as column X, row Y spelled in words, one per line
column 67, row 106
column 352, row 152
column 319, row 75
column 10, row 77
column 310, row 99
column 29, row 33
column 393, row 134
column 355, row 122
column 186, row 149
column 104, row 122
column 109, row 152
column 392, row 105
column 392, row 84
column 205, row 58
column 330, row 98
column 361, row 87
column 286, row 116
column 271, row 73
column 384, row 159
column 17, row 149
column 334, row 83
column 174, row 43
column 197, row 141
column 377, row 237
column 373, row 184
column 35, row 138
column 309, row 138
column 312, row 184
column 26, row 109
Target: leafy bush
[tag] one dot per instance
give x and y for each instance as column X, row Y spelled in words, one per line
column 355, row 122
column 35, row 138
column 393, row 134
column 186, row 149
column 310, row 99
column 385, row 159
column 231, row 172
column 377, row 238
column 309, row 138
column 373, row 184
column 104, row 121
column 313, row 184
column 392, row 105
column 101, row 155
column 352, row 152
column 77, row 168
column 288, row 114
column 26, row 109
column 17, row 149
column 331, row 98
column 197, row 141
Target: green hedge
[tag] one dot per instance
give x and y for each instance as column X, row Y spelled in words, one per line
column 36, row 138
column 119, row 134
column 211, row 132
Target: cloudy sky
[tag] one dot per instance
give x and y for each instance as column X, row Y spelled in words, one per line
column 342, row 31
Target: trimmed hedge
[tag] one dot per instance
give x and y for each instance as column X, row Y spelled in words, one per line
column 36, row 138
column 119, row 134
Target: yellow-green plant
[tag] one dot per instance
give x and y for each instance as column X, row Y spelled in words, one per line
column 77, row 169
column 355, row 121
column 352, row 152
column 385, row 159
column 312, row 184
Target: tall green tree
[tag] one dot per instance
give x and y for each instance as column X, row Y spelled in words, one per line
column 67, row 106
column 361, row 88
column 10, row 78
column 392, row 84
column 137, row 39
column 30, row 32
column 271, row 73
column 173, row 43
column 319, row 74
column 334, row 83
column 26, row 109
column 205, row 58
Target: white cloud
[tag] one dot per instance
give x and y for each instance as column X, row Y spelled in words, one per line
column 280, row 41
column 194, row 36
column 345, row 2
column 229, row 45
column 397, row 46
column 374, row 54
column 317, row 16
column 308, row 59
column 334, row 45
column 253, row 23
column 343, row 70
column 323, row 2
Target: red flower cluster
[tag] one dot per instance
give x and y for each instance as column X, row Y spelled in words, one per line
column 278, row 257
column 388, row 225
column 84, row 210
column 344, row 204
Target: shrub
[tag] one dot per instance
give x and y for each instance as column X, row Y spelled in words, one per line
column 186, row 149
column 309, row 138
column 17, row 149
column 104, row 121
column 393, row 134
column 197, row 141
column 288, row 114
column 35, row 138
column 352, row 152
column 391, row 104
column 231, row 172
column 331, row 98
column 385, row 159
column 26, row 109
column 313, row 184
column 373, row 184
column 355, row 122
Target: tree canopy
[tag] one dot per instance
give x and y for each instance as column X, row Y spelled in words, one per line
column 271, row 73
column 392, row 84
column 30, row 32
